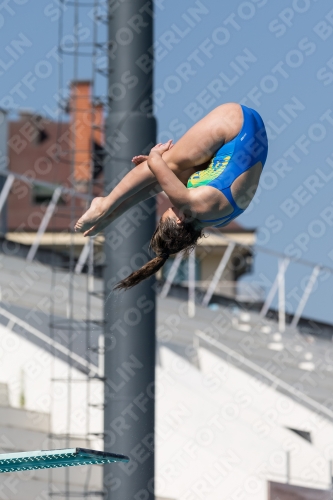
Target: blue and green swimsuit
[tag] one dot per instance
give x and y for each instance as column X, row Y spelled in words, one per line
column 233, row 159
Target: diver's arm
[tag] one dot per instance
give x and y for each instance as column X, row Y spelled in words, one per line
column 192, row 202
column 169, row 182
column 136, row 180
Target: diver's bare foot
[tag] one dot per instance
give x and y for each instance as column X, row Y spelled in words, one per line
column 97, row 228
column 91, row 216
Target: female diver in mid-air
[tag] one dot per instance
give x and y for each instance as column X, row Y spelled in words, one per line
column 221, row 156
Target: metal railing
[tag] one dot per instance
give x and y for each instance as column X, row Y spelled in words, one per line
column 244, row 291
column 81, row 362
column 277, row 382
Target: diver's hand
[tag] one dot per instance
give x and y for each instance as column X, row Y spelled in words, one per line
column 139, row 159
column 162, row 148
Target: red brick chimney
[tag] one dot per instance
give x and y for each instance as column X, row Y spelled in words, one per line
column 81, row 117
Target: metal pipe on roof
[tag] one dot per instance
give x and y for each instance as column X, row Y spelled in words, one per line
column 273, row 290
column 6, row 190
column 171, row 275
column 307, row 292
column 44, row 223
column 218, row 273
column 282, row 296
column 191, row 284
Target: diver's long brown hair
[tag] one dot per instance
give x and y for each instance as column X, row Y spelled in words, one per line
column 169, row 238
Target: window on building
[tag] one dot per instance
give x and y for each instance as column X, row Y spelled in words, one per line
column 43, row 195
column 41, row 133
column 182, row 273
column 41, row 137
column 98, row 158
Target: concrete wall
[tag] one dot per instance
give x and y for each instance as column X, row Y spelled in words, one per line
column 29, row 369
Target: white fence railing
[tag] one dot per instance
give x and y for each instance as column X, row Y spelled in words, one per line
column 245, row 292
column 252, row 292
column 277, row 382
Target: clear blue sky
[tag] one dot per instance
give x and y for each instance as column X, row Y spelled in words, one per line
column 274, row 56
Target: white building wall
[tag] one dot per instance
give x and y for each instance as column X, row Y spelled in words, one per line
column 29, row 370
column 221, row 434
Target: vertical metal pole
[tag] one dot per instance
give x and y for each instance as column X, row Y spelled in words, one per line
column 305, row 297
column 101, row 349
column 282, row 300
column 83, row 257
column 191, row 284
column 91, row 279
column 5, row 184
column 273, row 291
column 171, row 275
column 288, row 467
column 45, row 222
column 218, row 273
column 129, row 316
column 6, row 190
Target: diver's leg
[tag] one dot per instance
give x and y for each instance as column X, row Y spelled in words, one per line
column 146, row 193
column 244, row 187
column 140, row 178
column 200, row 143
